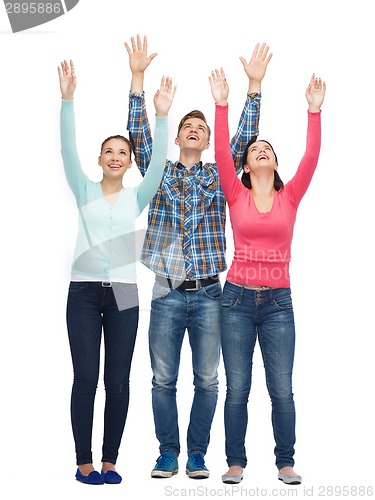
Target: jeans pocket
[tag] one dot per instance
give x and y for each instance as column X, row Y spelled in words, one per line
column 283, row 302
column 229, row 300
column 78, row 286
column 213, row 291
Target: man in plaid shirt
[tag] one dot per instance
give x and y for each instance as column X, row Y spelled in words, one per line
column 185, row 247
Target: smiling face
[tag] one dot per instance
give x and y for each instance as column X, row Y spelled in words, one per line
column 260, row 155
column 115, row 158
column 193, row 132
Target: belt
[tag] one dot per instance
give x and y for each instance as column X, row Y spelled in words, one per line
column 257, row 288
column 187, row 285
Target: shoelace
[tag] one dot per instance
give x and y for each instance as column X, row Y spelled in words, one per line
column 164, row 461
column 197, row 460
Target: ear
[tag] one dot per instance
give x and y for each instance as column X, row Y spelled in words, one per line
column 100, row 161
column 176, row 141
column 246, row 168
column 207, row 146
column 130, row 164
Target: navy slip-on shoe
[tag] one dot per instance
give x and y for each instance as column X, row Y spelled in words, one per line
column 93, row 478
column 111, row 477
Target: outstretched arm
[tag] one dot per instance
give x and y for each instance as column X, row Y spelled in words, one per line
column 298, row 185
column 162, row 101
column 223, row 156
column 138, row 124
column 75, row 176
column 138, row 61
column 248, row 125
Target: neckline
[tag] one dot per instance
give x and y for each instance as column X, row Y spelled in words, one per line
column 260, row 211
column 109, row 196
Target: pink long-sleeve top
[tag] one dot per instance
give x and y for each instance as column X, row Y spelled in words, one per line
column 262, row 240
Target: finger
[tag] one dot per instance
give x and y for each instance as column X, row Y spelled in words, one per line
column 243, row 60
column 72, row 69
column 139, row 43
column 134, row 47
column 127, row 48
column 152, row 56
column 255, row 51
column 166, row 83
column 269, row 58
column 169, row 84
column 145, row 44
column 263, row 51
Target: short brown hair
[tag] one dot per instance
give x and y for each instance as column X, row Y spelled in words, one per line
column 194, row 114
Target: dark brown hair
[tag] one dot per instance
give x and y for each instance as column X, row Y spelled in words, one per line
column 194, row 114
column 122, row 138
column 245, row 178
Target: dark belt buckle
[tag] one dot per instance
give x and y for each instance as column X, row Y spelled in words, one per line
column 106, row 284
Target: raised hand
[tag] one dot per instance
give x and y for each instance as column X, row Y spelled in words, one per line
column 138, row 59
column 219, row 86
column 164, row 96
column 256, row 67
column 315, row 93
column 68, row 80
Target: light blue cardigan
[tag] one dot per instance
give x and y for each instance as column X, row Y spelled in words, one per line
column 108, row 244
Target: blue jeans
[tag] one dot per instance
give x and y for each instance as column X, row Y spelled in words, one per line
column 173, row 312
column 92, row 308
column 268, row 315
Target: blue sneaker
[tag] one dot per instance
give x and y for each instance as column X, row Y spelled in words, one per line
column 166, row 465
column 195, row 467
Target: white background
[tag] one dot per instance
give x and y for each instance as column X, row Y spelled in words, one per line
column 332, row 254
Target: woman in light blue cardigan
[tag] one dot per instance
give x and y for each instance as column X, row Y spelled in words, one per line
column 103, row 294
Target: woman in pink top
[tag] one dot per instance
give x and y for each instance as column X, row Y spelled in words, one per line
column 257, row 297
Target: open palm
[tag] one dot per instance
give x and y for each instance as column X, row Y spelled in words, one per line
column 67, row 79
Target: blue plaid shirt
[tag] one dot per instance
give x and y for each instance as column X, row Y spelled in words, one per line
column 185, row 238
